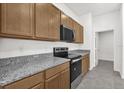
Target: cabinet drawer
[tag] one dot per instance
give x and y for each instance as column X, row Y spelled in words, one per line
column 52, row 71
column 39, row 86
column 27, row 82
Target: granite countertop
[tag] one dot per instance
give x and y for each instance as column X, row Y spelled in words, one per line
column 80, row 52
column 15, row 68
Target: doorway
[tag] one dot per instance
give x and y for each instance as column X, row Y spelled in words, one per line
column 104, row 46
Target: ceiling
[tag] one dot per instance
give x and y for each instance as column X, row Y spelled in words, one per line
column 95, row 8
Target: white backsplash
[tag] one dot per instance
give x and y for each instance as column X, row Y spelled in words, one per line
column 20, row 47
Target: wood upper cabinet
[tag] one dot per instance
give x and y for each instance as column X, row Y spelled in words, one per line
column 70, row 23
column 42, row 19
column 81, row 34
column 17, row 19
column 35, row 21
column 47, row 21
column 78, row 33
column 66, row 21
column 54, row 22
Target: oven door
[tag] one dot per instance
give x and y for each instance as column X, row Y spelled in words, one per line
column 76, row 68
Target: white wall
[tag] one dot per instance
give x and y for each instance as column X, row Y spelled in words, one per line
column 96, row 48
column 105, row 46
column 19, row 47
column 89, row 39
column 122, row 64
column 111, row 21
column 67, row 11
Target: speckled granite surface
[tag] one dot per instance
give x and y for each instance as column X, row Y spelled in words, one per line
column 12, row 69
column 15, row 68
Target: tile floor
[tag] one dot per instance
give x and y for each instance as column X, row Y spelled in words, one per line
column 102, row 77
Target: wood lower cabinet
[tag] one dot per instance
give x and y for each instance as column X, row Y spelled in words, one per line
column 59, row 79
column 65, row 79
column 38, row 86
column 85, row 64
column 17, row 20
column 28, row 82
column 53, row 82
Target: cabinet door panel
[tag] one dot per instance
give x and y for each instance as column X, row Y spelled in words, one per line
column 54, row 22
column 53, row 82
column 84, row 69
column 64, row 19
column 81, row 34
column 42, row 20
column 77, row 33
column 17, row 19
column 85, row 64
column 65, row 79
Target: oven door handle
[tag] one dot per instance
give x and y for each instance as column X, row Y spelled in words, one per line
column 76, row 60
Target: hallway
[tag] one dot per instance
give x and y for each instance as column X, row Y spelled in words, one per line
column 102, row 77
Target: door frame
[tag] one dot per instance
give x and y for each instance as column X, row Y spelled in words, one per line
column 114, row 46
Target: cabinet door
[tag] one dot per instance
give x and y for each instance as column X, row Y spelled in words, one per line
column 65, row 79
column 81, row 34
column 42, row 20
column 88, row 63
column 17, row 19
column 77, row 32
column 84, row 66
column 53, row 82
column 64, row 19
column 70, row 23
column 54, row 22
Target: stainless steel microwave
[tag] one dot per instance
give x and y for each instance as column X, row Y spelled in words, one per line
column 66, row 34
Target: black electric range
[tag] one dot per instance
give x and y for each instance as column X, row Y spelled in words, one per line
column 75, row 65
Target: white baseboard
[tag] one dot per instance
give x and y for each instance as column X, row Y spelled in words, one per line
column 122, row 76
column 107, row 60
